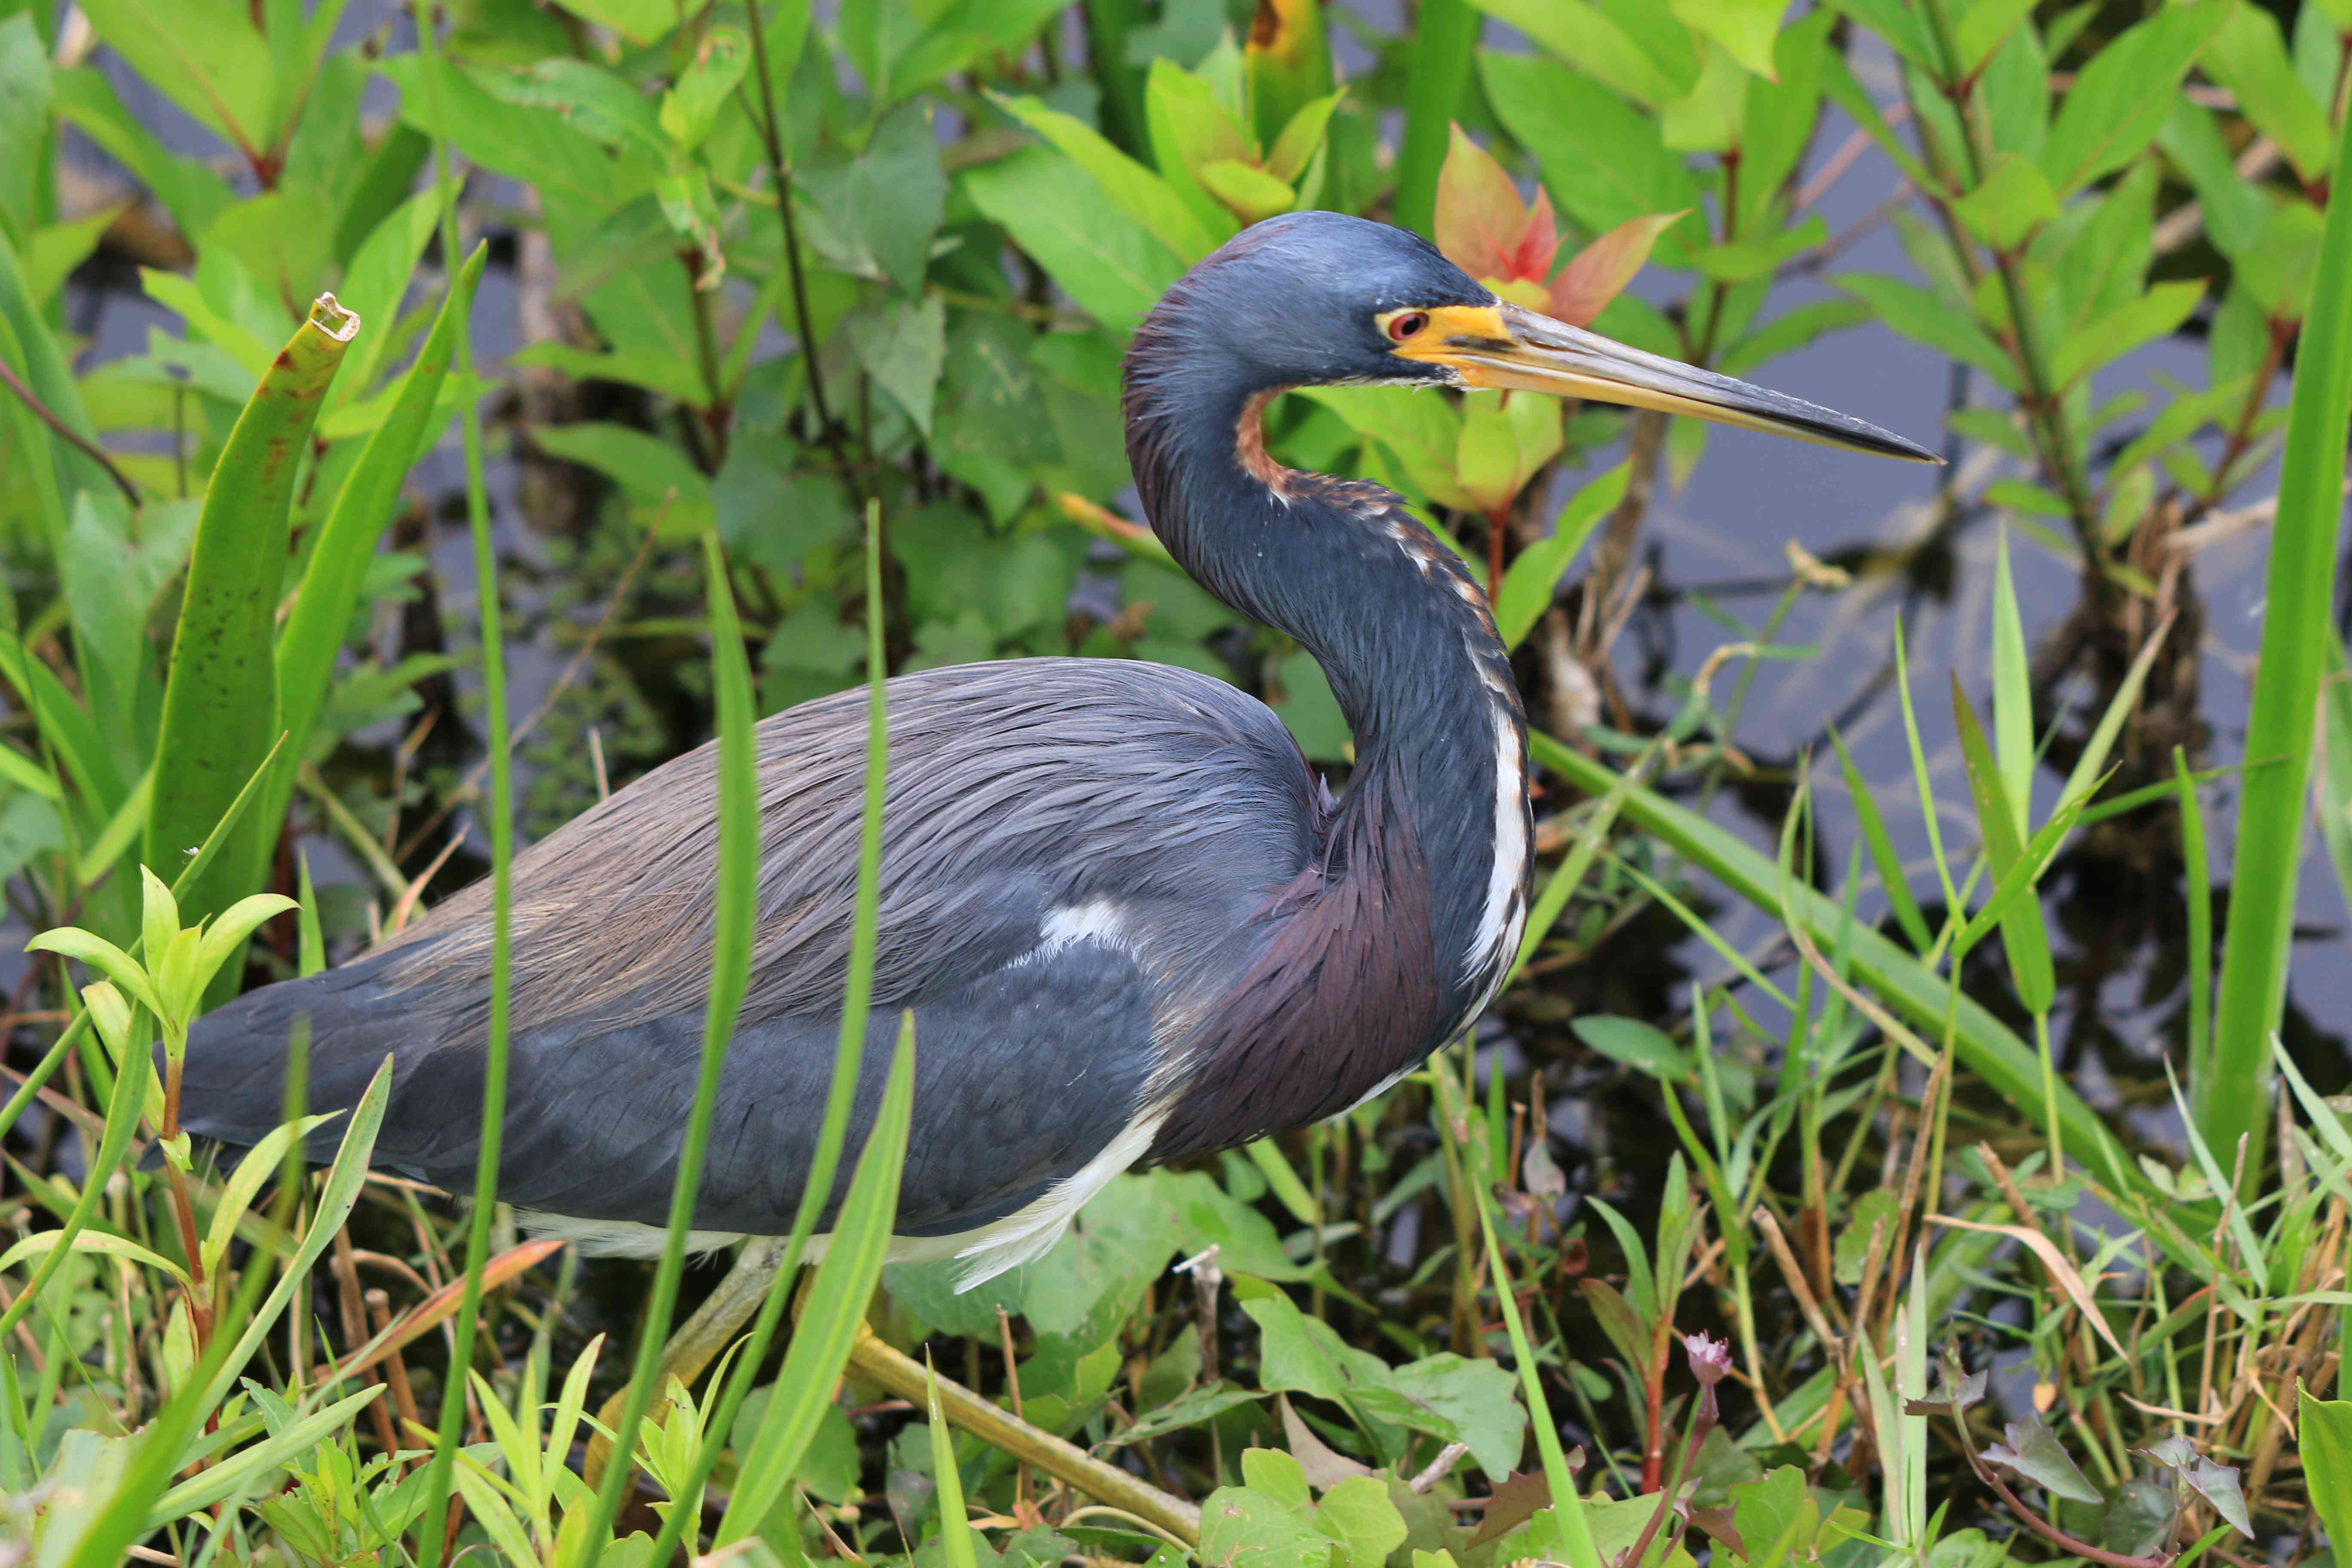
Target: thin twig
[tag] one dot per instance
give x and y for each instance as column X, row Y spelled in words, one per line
column 65, row 433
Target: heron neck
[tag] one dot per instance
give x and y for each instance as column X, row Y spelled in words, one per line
column 1403, row 633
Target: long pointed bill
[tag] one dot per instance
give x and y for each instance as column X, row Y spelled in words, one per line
column 1507, row 346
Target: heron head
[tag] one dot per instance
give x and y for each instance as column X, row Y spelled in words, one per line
column 1318, row 299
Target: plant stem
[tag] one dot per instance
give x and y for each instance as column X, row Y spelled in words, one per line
column 828, row 431
column 65, row 433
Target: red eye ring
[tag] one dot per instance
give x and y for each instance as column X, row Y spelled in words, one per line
column 1407, row 325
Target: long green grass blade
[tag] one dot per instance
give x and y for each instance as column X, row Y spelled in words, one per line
column 836, row 1311
column 2012, row 694
column 1566, row 1507
column 501, row 816
column 733, row 916
column 955, row 1523
column 2022, row 934
column 347, row 540
column 1984, row 1045
column 2197, row 876
column 220, row 699
column 2298, row 599
column 833, row 1131
column 1898, row 887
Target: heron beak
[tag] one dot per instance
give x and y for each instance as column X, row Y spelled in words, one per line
column 1508, row 347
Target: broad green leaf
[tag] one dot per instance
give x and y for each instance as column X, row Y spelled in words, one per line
column 639, row 21
column 1289, row 154
column 691, row 106
column 1780, row 116
column 1113, row 266
column 208, row 56
column 599, row 104
column 2122, row 95
column 885, row 202
column 1745, row 29
column 1478, row 1399
column 25, row 94
column 2248, row 56
column 1603, row 160
column 1707, row 117
column 1927, row 317
column 1587, row 37
column 1984, row 27
column 2278, row 269
column 573, row 175
column 1247, row 191
column 2034, row 1452
column 1502, row 444
column 346, row 542
column 220, row 702
column 2326, row 1427
column 1190, row 127
column 1528, row 585
column 903, row 346
column 2234, row 208
column 2155, row 314
column 1638, row 1045
column 2012, row 692
column 1127, row 185
column 225, row 935
column 54, row 252
column 2012, row 203
column 1358, row 1514
column 187, row 187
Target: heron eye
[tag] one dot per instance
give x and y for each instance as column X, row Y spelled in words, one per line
column 1407, row 325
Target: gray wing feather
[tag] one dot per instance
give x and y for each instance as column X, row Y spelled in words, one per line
column 1013, row 790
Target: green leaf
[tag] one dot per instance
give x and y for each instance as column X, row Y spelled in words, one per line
column 1583, row 34
column 84, row 947
column 42, row 1242
column 1528, row 585
column 1984, row 27
column 187, row 187
column 691, row 106
column 1113, row 266
column 885, row 202
column 1247, row 190
column 2012, row 203
column 639, row 21
column 1927, row 317
column 1603, row 160
column 1125, row 183
column 1640, row 1045
column 2124, row 91
column 2022, row 934
column 904, row 347
column 834, row 1311
column 1478, row 1399
column 2034, row 1452
column 1746, row 29
column 2155, row 314
column 25, row 95
column 2326, row 1425
column 2248, row 56
column 2279, row 268
column 2234, row 208
column 346, row 543
column 2012, row 692
column 207, row 55
column 260, row 1163
column 1358, row 1514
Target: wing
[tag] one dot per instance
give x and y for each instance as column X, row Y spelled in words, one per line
column 1019, row 796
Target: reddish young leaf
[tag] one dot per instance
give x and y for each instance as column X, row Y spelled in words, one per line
column 1600, row 270
column 1482, row 225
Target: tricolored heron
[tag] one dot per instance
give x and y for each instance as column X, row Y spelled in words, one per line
column 1129, row 921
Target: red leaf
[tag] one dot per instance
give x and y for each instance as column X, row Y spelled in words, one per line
column 1600, row 270
column 1482, row 224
